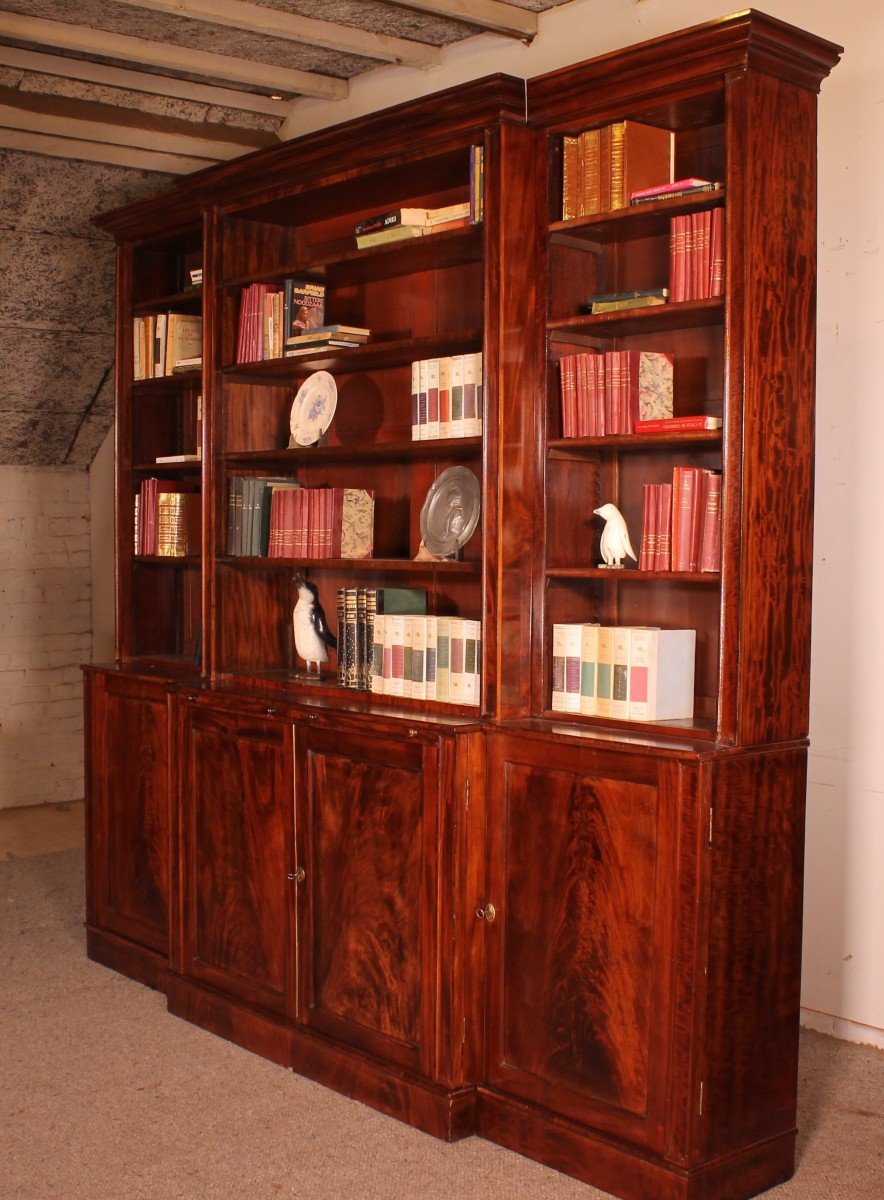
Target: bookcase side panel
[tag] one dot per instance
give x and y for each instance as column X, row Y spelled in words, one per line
column 777, row 294
column 514, row 339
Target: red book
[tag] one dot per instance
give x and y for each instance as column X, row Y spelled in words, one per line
column 716, row 256
column 663, row 548
column 295, row 535
column 582, row 377
column 684, row 501
column 678, row 424
column 647, row 551
column 612, row 392
column 568, row 388
column 710, row 537
column 597, row 368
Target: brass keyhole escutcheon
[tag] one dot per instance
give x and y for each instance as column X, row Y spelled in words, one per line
column 488, row 913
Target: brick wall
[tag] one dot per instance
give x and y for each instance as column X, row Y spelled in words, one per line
column 45, row 632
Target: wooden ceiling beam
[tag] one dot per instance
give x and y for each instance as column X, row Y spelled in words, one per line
column 493, row 15
column 271, row 22
column 35, row 31
column 141, row 81
column 87, row 121
column 100, row 152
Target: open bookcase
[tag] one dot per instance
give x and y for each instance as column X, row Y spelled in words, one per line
column 622, row 250
column 421, row 299
column 159, row 595
column 575, row 934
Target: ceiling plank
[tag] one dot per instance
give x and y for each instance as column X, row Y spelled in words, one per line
column 271, row 22
column 141, row 81
column 165, row 55
column 493, row 15
column 85, row 120
column 118, row 156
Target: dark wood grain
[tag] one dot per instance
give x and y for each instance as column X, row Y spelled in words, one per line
column 129, row 817
column 577, row 997
column 236, row 855
column 366, row 839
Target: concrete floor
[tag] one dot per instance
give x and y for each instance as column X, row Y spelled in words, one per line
column 41, row 829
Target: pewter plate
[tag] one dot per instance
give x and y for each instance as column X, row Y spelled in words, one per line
column 451, row 511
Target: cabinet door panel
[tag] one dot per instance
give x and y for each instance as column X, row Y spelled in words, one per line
column 366, row 835
column 237, row 821
column 130, row 819
column 581, row 869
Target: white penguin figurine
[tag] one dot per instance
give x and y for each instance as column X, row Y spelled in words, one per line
column 312, row 636
column 615, row 544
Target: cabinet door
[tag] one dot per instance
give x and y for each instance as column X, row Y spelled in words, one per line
column 236, row 855
column 367, row 822
column 128, row 817
column 583, row 852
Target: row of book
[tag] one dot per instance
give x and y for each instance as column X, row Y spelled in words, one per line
column 681, row 522
column 387, row 644
column 610, row 393
column 402, row 224
column 167, row 518
column 601, row 168
column 696, row 267
column 624, row 672
column 446, row 397
column 270, row 316
column 696, row 255
column 277, row 518
column 162, row 342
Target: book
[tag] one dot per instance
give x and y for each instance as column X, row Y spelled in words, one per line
column 589, row 652
column 443, row 658
column 184, row 340
column 559, row 652
column 661, row 674
column 178, row 458
column 356, row 524
column 679, row 187
column 610, row 301
column 426, row 217
column 573, row 644
column 183, row 365
column 396, row 233
column 621, row 637
column 603, row 167
column 605, row 672
column 686, row 424
column 335, row 334
column 303, row 307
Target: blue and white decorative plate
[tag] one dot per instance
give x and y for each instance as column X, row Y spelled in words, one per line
column 313, row 408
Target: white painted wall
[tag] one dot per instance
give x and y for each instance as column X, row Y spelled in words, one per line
column 843, row 989
column 45, row 632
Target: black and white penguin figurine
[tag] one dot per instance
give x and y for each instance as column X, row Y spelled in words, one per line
column 312, row 635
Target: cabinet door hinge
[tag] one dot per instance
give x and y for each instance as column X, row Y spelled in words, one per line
column 710, row 824
column 463, row 1039
column 466, row 794
column 702, row 1085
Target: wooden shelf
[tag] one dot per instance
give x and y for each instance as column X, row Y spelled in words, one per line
column 626, row 224
column 626, row 575
column 166, row 560
column 702, row 728
column 561, row 448
column 371, row 356
column 444, row 448
column 357, row 565
column 191, row 298
column 452, row 247
column 687, row 314
column 183, row 382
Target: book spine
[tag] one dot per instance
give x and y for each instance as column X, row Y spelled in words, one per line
column 589, row 652
column 648, row 549
column 710, row 540
column 443, row 658
column 470, row 414
column 559, row 652
column 342, row 637
column 422, row 398
column 570, row 206
column 419, row 658
column 573, row 645
column 617, row 159
column 591, row 191
column 415, row 401
column 457, row 374
column 471, row 654
column 568, row 392
column 605, row 672
column 663, row 520
column 456, row 661
column 445, row 397
column 678, row 424
column 639, row 674
column 431, row 656
column 377, row 651
column 432, row 429
column 620, row 673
